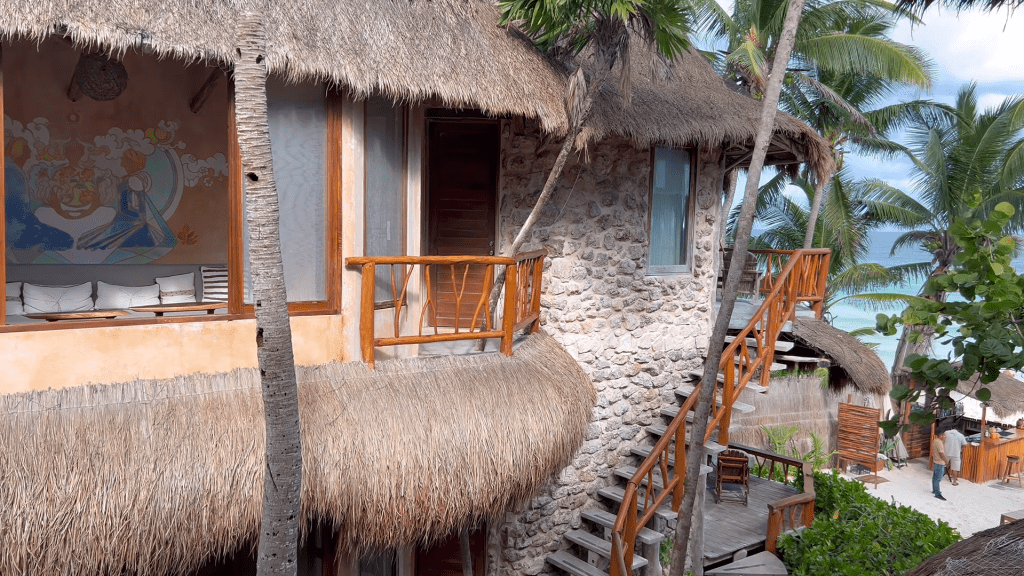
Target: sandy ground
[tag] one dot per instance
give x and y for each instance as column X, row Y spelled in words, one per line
column 968, row 508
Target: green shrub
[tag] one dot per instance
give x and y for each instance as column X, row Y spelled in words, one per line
column 855, row 534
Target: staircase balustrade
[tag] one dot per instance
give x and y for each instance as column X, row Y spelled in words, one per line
column 791, row 277
column 471, row 315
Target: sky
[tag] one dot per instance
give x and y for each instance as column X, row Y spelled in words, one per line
column 987, row 48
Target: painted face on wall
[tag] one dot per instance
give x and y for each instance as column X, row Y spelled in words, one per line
column 74, row 199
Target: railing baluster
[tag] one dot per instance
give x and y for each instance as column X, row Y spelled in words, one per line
column 509, row 320
column 366, row 319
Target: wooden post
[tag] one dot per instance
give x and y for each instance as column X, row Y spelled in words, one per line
column 728, row 389
column 366, row 314
column 538, row 279
column 236, row 213
column 679, row 468
column 467, row 554
column 823, row 264
column 508, row 321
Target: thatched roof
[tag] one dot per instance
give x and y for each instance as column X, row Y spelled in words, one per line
column 1007, row 394
column 994, row 552
column 865, row 368
column 155, row 477
column 450, row 52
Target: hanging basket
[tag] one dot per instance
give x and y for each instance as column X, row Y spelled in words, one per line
column 99, row 77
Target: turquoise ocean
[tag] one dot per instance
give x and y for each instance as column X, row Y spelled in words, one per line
column 848, row 315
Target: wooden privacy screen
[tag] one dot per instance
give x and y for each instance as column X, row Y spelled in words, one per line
column 858, row 440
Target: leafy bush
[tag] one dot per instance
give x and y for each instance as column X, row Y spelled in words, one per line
column 855, row 534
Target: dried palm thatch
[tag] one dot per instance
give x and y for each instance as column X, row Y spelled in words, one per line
column 790, row 401
column 997, row 551
column 153, row 477
column 1007, row 398
column 865, row 368
column 450, row 52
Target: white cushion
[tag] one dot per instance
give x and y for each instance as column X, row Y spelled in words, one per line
column 13, row 291
column 49, row 299
column 215, row 283
column 112, row 296
column 177, row 289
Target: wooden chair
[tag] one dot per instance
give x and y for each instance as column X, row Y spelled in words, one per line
column 750, row 279
column 733, row 468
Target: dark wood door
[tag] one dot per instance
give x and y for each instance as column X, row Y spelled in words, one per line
column 462, row 181
column 444, row 558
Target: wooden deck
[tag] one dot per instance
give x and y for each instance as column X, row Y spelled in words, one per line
column 730, row 526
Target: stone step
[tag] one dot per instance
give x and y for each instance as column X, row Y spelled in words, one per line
column 696, row 375
column 574, row 565
column 600, row 546
column 659, row 429
column 800, row 359
column 760, row 564
column 685, row 390
column 607, row 520
column 780, row 345
column 627, row 472
column 616, row 494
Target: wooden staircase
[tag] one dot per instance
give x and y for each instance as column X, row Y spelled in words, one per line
column 648, row 496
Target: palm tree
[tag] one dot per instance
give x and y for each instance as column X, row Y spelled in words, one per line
column 282, row 480
column 844, row 227
column 843, row 62
column 965, row 161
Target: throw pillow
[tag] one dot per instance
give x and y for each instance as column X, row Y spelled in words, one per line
column 177, row 289
column 13, row 290
column 50, row 299
column 112, row 296
column 215, row 283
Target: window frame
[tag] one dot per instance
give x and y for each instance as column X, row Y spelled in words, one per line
column 685, row 268
column 236, row 308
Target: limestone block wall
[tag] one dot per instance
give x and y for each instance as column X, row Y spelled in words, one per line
column 633, row 333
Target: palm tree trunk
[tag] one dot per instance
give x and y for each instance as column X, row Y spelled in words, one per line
column 695, row 451
column 731, row 178
column 282, row 481
column 812, row 219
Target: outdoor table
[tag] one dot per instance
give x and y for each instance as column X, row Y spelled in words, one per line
column 80, row 315
column 161, row 309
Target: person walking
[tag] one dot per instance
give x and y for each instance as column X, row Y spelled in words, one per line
column 938, row 463
column 955, row 443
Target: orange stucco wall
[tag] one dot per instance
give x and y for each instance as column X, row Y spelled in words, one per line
column 63, row 358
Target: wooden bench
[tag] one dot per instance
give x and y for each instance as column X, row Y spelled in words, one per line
column 1010, row 517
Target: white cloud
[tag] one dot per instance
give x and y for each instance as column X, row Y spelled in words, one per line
column 972, row 45
column 991, row 100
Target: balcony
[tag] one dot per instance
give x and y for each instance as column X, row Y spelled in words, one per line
column 439, row 299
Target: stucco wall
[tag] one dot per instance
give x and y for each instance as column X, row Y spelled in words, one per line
column 63, row 358
column 634, row 334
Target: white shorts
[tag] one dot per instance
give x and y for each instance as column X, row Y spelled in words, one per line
column 954, row 464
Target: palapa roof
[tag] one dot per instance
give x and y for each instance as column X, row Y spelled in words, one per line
column 1007, row 394
column 997, row 551
column 449, row 52
column 866, row 370
column 154, row 477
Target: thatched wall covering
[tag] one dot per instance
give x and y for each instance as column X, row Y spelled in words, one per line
column 155, row 477
column 790, row 401
column 864, row 367
column 997, row 551
column 1007, row 398
column 448, row 51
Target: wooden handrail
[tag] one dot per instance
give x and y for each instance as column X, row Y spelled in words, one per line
column 472, row 320
column 791, row 512
column 801, row 278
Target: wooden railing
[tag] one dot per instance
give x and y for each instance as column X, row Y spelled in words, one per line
column 466, row 282
column 800, row 278
column 791, row 513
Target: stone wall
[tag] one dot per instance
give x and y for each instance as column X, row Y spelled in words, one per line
column 634, row 334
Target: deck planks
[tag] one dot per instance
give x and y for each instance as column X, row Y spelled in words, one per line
column 731, row 526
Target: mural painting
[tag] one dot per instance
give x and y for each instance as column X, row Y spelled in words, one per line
column 72, row 201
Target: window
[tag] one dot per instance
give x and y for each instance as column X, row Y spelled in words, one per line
column 671, row 212
column 297, row 115
column 385, row 190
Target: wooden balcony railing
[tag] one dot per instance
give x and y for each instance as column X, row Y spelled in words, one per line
column 800, row 278
column 454, row 300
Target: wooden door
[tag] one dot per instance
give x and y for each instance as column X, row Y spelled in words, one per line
column 444, row 558
column 462, row 188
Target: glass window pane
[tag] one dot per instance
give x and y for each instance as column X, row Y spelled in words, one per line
column 669, row 209
column 298, row 125
column 385, row 189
